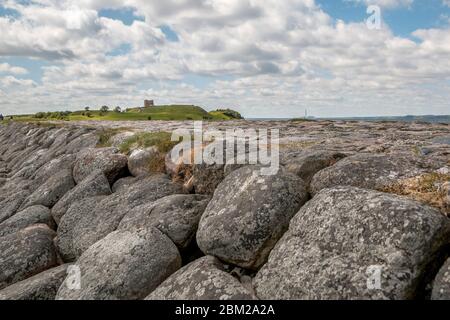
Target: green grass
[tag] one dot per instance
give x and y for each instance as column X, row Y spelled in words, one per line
column 160, row 140
column 170, row 112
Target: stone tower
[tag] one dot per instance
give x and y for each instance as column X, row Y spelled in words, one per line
column 149, row 103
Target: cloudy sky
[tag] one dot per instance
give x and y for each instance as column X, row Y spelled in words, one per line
column 264, row 58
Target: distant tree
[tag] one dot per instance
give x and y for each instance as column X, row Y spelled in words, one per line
column 118, row 109
column 86, row 108
column 40, row 115
column 104, row 109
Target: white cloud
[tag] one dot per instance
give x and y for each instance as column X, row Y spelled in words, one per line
column 387, row 4
column 7, row 68
column 261, row 57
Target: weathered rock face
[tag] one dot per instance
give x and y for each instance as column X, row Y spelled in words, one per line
column 207, row 178
column 42, row 286
column 177, row 216
column 27, row 218
column 108, row 160
column 51, row 191
column 441, row 285
column 308, row 163
column 204, row 279
column 370, row 171
column 338, row 241
column 90, row 220
column 26, row 253
column 142, row 161
column 124, row 265
column 11, row 204
column 248, row 214
column 95, row 184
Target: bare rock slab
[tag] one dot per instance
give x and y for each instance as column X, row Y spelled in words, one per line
column 26, row 253
column 351, row 243
column 248, row 214
column 124, row 266
column 204, row 279
column 42, row 286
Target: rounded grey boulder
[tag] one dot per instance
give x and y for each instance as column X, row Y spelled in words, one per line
column 248, row 214
column 203, row 279
column 125, row 266
column 108, row 160
column 52, row 190
column 90, row 220
column 140, row 160
column 42, row 286
column 369, row 171
column 28, row 217
column 351, row 243
column 177, row 216
column 26, row 253
column 95, row 184
column 441, row 285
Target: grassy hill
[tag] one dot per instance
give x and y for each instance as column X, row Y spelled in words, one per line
column 169, row 112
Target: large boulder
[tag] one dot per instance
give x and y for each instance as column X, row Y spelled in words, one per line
column 441, row 285
column 26, row 218
column 369, row 171
column 95, row 184
column 90, row 220
column 308, row 163
column 42, row 286
column 143, row 162
column 108, row 160
column 26, row 253
column 351, row 243
column 11, row 204
column 124, row 265
column 51, row 191
column 248, row 214
column 177, row 216
column 203, row 279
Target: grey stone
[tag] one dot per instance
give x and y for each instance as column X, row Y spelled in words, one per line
column 369, row 171
column 90, row 220
column 345, row 237
column 42, row 286
column 95, row 184
column 442, row 140
column 248, row 214
column 308, row 163
column 28, row 217
column 122, row 184
column 140, row 161
column 26, row 253
column 10, row 205
column 177, row 216
column 124, row 265
column 108, row 160
column 51, row 191
column 204, row 279
column 441, row 285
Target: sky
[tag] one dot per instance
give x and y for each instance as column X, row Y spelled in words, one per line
column 263, row 58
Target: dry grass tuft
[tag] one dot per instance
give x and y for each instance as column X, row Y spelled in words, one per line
column 426, row 188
